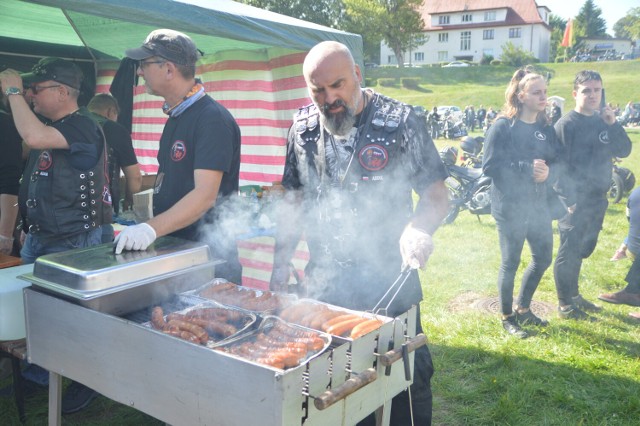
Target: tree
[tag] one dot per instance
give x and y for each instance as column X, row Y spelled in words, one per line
column 557, row 25
column 516, row 56
column 397, row 22
column 322, row 12
column 589, row 22
column 628, row 26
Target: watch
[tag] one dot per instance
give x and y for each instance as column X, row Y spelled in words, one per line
column 12, row 91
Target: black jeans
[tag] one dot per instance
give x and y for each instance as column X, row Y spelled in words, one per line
column 578, row 237
column 537, row 231
column 421, row 397
column 633, row 277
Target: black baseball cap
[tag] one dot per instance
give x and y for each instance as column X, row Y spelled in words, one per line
column 172, row 45
column 56, row 69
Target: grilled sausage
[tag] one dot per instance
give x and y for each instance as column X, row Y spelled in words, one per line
column 182, row 334
column 317, row 322
column 344, row 327
column 365, row 328
column 157, row 318
column 337, row 319
column 198, row 331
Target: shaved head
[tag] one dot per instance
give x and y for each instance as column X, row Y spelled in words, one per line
column 333, row 80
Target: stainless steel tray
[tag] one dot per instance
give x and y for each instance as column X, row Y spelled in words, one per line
column 98, row 268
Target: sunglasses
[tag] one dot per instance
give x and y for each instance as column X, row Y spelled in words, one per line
column 37, row 89
column 143, row 64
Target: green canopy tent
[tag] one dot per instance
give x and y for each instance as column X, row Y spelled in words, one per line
column 102, row 29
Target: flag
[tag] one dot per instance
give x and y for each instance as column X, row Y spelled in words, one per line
column 567, row 40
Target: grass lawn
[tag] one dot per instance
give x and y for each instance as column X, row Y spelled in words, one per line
column 569, row 373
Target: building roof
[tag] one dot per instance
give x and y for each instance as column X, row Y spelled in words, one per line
column 519, row 12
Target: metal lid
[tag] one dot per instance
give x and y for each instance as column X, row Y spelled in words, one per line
column 98, row 268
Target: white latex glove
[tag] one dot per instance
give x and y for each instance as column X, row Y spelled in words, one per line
column 415, row 247
column 135, row 237
column 6, row 244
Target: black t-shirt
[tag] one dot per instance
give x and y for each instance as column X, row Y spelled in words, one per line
column 11, row 158
column 204, row 136
column 119, row 139
column 589, row 145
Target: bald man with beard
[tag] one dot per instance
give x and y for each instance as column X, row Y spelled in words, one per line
column 353, row 159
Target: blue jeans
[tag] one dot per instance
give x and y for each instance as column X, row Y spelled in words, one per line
column 35, row 246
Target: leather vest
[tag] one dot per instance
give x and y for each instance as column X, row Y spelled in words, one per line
column 60, row 200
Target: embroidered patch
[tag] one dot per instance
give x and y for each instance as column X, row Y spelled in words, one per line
column 45, row 160
column 604, row 137
column 540, row 136
column 178, row 151
column 373, row 157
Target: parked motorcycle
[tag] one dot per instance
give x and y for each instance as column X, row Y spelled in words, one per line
column 622, row 181
column 468, row 187
column 453, row 129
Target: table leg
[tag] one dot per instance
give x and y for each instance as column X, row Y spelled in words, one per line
column 18, row 388
column 55, row 399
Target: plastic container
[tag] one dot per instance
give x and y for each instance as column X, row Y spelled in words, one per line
column 12, row 325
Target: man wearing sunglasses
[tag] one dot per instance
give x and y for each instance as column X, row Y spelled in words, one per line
column 64, row 196
column 198, row 156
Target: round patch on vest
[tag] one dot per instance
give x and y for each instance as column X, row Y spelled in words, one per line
column 373, row 157
column 540, row 136
column 604, row 137
column 45, row 161
column 178, row 151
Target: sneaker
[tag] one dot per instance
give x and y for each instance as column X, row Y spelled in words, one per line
column 530, row 318
column 584, row 304
column 77, row 397
column 621, row 297
column 573, row 312
column 511, row 325
column 619, row 255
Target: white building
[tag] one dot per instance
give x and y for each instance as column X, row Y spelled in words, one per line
column 469, row 29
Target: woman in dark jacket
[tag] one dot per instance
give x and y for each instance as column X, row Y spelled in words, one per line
column 520, row 150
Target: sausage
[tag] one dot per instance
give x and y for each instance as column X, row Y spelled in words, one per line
column 215, row 327
column 365, row 328
column 217, row 288
column 157, row 318
column 337, row 319
column 317, row 322
column 343, row 327
column 182, row 334
column 198, row 331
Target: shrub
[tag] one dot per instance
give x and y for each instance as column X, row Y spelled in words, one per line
column 410, row 82
column 516, row 56
column 387, row 82
column 370, row 82
column 486, row 59
column 496, row 62
column 559, row 59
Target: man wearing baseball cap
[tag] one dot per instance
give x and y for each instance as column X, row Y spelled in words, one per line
column 198, row 157
column 64, row 196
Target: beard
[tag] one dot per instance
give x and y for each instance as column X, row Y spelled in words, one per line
column 341, row 123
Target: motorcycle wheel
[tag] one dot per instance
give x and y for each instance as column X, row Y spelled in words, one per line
column 454, row 207
column 616, row 191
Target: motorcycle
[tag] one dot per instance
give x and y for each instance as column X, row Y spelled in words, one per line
column 622, row 181
column 453, row 129
column 471, row 151
column 468, row 187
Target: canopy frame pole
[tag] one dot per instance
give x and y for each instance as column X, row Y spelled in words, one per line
column 84, row 43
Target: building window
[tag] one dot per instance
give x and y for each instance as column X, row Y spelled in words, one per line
column 443, row 37
column 487, row 52
column 443, row 55
column 490, row 16
column 391, row 59
column 418, row 56
column 443, row 20
column 467, row 17
column 515, row 32
column 465, row 40
column 487, row 34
